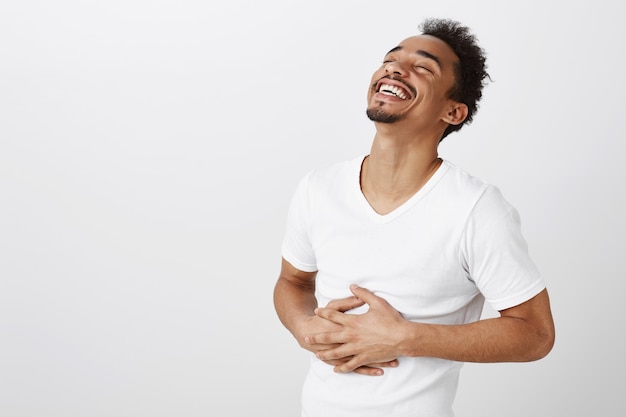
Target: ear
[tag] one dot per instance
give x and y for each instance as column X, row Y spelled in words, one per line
column 456, row 113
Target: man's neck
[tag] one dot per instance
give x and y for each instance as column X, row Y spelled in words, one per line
column 396, row 169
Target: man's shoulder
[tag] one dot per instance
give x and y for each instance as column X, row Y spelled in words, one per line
column 459, row 178
column 471, row 189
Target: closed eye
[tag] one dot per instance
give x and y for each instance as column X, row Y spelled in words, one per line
column 421, row 67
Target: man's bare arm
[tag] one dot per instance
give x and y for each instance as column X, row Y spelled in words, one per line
column 521, row 333
column 294, row 297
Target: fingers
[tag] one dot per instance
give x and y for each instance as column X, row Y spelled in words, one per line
column 366, row 295
column 345, row 304
column 325, row 339
column 317, row 347
column 391, row 364
column 339, row 353
column 371, row 369
column 332, row 315
column 356, row 362
column 374, row 369
column 345, row 360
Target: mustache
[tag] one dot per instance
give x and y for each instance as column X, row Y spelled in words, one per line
column 397, row 79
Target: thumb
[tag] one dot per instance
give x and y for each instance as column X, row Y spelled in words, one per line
column 372, row 300
column 364, row 294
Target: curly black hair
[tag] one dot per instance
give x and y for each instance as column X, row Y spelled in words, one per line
column 470, row 72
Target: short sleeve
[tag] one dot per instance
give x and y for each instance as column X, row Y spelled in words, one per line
column 496, row 254
column 296, row 246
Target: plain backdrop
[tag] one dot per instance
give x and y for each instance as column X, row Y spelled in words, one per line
column 148, row 152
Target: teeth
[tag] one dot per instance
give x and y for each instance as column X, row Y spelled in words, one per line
column 392, row 90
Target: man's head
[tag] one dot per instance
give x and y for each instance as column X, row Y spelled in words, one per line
column 471, row 70
column 435, row 79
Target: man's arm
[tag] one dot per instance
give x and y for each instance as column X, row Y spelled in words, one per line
column 522, row 333
column 295, row 304
column 294, row 299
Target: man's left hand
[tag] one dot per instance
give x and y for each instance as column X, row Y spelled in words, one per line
column 372, row 337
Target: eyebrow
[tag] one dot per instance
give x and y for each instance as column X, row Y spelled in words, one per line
column 429, row 56
column 419, row 52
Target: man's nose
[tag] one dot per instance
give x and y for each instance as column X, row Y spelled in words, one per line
column 395, row 67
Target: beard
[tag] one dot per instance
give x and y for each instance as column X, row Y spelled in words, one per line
column 379, row 115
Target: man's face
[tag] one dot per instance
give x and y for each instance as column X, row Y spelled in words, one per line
column 413, row 82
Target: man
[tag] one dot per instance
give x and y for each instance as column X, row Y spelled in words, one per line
column 403, row 248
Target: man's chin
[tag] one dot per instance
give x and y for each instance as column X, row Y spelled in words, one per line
column 381, row 116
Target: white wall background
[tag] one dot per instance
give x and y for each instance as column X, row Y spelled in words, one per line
column 148, row 151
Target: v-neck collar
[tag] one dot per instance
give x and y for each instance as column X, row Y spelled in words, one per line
column 404, row 207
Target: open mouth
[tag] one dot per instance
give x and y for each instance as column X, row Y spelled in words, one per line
column 393, row 90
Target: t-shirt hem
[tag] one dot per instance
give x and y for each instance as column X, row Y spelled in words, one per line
column 500, row 305
column 296, row 263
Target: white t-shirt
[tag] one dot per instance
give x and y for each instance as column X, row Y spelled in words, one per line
column 435, row 259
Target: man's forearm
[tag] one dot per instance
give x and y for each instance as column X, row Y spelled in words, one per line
column 503, row 339
column 292, row 303
column 522, row 333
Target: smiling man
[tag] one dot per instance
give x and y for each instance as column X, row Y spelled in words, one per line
column 389, row 258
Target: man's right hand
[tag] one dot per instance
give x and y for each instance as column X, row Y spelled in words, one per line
column 316, row 324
